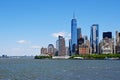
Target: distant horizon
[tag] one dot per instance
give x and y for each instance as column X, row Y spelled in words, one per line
column 28, row 25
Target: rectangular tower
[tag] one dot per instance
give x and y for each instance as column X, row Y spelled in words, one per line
column 61, row 46
column 94, row 38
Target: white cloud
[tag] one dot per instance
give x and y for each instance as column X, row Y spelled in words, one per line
column 66, row 35
column 59, row 34
column 22, row 41
column 62, row 33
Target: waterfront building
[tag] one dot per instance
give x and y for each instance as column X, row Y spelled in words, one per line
column 70, row 48
column 44, row 50
column 107, row 44
column 87, row 43
column 94, row 38
column 57, row 44
column 117, row 42
column 83, row 46
column 61, row 46
column 55, row 52
column 73, row 35
column 51, row 49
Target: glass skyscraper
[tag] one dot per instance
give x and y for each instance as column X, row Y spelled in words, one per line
column 73, row 35
column 94, row 38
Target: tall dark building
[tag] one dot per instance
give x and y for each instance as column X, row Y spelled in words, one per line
column 80, row 41
column 94, row 38
column 107, row 34
column 73, row 35
column 70, row 48
column 78, row 33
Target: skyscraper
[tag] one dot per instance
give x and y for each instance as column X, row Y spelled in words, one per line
column 61, row 46
column 70, row 48
column 117, row 42
column 94, row 38
column 73, row 35
column 117, row 37
column 78, row 33
column 107, row 44
column 107, row 34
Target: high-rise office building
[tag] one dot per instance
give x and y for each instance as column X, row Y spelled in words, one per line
column 73, row 35
column 51, row 49
column 78, row 33
column 117, row 42
column 107, row 34
column 94, row 38
column 117, row 37
column 85, row 39
column 70, row 48
column 61, row 46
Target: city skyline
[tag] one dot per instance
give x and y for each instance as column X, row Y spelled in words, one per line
column 26, row 26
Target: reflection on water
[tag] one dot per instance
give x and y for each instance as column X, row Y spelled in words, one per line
column 31, row 69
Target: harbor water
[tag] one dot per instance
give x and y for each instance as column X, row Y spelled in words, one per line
column 32, row 69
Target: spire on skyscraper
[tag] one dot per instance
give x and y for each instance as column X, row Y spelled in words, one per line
column 73, row 15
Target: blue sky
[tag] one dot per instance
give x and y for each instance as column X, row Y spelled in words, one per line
column 27, row 25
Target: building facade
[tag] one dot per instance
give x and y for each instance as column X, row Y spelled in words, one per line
column 94, row 38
